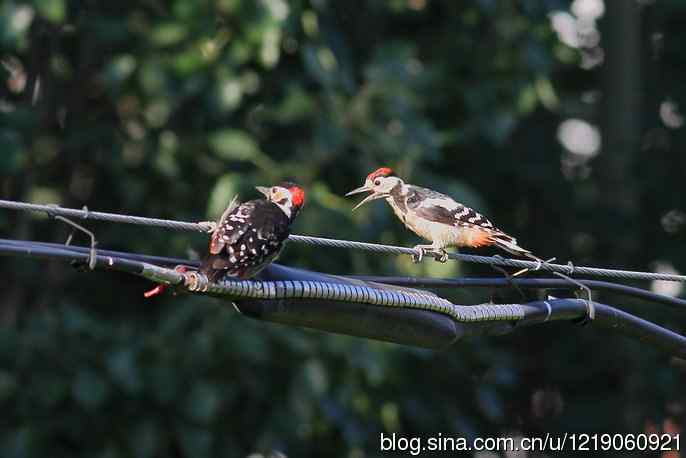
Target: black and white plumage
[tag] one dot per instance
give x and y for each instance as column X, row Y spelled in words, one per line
column 251, row 235
column 435, row 216
column 248, row 236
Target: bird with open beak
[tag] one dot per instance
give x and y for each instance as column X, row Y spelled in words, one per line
column 435, row 217
column 376, row 186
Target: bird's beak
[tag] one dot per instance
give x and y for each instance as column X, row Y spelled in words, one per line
column 369, row 198
column 373, row 196
column 263, row 190
column 364, row 188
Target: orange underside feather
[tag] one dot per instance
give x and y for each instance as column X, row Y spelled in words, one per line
column 481, row 238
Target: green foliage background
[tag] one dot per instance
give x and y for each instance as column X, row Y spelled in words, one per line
column 168, row 109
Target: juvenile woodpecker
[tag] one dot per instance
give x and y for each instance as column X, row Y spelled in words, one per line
column 435, row 217
column 249, row 236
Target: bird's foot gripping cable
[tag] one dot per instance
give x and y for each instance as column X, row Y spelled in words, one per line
column 440, row 255
column 208, row 226
column 160, row 288
column 418, row 256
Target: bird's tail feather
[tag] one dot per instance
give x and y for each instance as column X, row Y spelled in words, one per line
column 232, row 206
column 214, row 267
column 509, row 244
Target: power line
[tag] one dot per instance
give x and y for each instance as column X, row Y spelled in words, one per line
column 527, row 283
column 294, row 297
column 8, row 246
column 28, row 247
column 567, row 269
column 84, row 213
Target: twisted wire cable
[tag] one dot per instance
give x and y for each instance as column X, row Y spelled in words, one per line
column 298, row 289
column 343, row 317
column 332, row 291
column 567, row 269
column 84, row 213
column 8, row 246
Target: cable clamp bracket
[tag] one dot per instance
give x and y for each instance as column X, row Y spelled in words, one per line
column 539, row 264
column 549, row 310
column 508, row 277
column 196, row 281
column 51, row 211
column 590, row 308
column 92, row 255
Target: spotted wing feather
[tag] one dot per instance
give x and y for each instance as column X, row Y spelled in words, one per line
column 440, row 208
column 247, row 239
column 228, row 230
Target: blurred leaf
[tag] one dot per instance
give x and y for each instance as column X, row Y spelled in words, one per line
column 120, row 68
column 169, row 109
column 15, row 21
column 52, row 10
column 234, row 144
column 224, row 191
column 168, row 34
column 317, row 378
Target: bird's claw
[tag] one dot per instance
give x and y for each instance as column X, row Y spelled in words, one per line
column 209, row 226
column 419, row 254
column 443, row 256
column 440, row 255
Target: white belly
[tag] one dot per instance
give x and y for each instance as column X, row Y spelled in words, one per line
column 442, row 235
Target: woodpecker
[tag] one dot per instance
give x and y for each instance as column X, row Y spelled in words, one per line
column 435, row 217
column 249, row 236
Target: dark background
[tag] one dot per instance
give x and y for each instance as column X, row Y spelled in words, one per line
column 559, row 120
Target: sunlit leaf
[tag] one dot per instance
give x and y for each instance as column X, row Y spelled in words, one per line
column 52, row 10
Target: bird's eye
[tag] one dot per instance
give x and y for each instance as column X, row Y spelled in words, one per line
column 273, row 190
column 377, row 182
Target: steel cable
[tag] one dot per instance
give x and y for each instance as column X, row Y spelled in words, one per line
column 285, row 300
column 567, row 269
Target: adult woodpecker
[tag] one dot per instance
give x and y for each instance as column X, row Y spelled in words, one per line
column 249, row 236
column 435, row 217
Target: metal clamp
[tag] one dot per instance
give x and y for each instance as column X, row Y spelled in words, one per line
column 549, row 309
column 92, row 254
column 539, row 264
column 590, row 308
column 196, row 281
column 508, row 277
